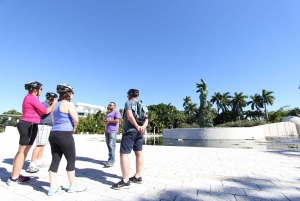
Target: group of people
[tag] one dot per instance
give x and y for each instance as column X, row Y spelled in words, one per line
column 55, row 120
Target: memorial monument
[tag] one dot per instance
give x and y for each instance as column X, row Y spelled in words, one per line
column 204, row 119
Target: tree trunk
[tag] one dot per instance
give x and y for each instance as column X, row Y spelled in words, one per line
column 266, row 113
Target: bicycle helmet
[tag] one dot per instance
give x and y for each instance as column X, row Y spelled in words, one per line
column 33, row 85
column 63, row 88
column 51, row 95
column 133, row 92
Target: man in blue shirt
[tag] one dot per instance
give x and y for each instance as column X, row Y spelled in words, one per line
column 44, row 129
column 132, row 139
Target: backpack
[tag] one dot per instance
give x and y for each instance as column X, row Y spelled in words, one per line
column 140, row 112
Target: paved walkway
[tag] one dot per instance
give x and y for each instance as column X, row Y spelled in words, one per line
column 170, row 173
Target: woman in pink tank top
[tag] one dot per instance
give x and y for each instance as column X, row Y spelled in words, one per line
column 32, row 110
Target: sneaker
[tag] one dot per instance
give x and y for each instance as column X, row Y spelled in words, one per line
column 32, row 169
column 20, row 180
column 136, row 180
column 108, row 164
column 54, row 190
column 76, row 188
column 42, row 165
column 121, row 185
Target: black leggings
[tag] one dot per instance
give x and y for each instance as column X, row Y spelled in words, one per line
column 62, row 142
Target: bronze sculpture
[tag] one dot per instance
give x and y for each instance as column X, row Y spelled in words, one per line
column 204, row 119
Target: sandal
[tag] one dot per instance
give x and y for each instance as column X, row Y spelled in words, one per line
column 32, row 169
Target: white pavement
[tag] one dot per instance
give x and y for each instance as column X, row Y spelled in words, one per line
column 170, row 173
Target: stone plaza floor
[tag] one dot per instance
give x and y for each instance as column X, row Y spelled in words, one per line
column 170, row 174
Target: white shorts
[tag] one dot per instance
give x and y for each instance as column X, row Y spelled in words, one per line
column 43, row 134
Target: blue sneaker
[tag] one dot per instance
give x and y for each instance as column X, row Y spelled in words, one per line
column 76, row 188
column 53, row 190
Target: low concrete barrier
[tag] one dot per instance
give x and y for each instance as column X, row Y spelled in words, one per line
column 280, row 129
column 214, row 133
column 256, row 132
column 11, row 129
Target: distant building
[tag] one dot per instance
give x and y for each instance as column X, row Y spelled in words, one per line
column 83, row 109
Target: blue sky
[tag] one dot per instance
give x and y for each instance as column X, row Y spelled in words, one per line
column 163, row 48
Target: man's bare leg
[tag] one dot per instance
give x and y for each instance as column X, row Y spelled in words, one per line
column 125, row 166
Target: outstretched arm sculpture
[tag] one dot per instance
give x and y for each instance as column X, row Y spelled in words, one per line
column 202, row 88
column 204, row 119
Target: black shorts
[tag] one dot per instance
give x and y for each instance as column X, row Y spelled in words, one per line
column 131, row 140
column 28, row 132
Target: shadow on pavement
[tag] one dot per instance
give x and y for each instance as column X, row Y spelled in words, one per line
column 34, row 182
column 288, row 153
column 86, row 159
column 96, row 175
column 11, row 160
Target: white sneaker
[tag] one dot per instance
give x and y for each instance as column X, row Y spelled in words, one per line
column 42, row 165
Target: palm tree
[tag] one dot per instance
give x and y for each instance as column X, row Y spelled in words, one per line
column 217, row 98
column 268, row 99
column 238, row 102
column 186, row 101
column 225, row 103
column 192, row 107
column 256, row 103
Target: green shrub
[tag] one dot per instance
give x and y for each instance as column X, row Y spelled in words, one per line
column 242, row 123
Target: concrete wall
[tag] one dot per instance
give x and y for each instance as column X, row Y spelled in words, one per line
column 215, row 133
column 256, row 132
column 280, row 129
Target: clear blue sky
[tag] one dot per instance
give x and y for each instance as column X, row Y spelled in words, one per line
column 163, row 48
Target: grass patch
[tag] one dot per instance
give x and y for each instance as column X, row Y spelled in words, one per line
column 292, row 146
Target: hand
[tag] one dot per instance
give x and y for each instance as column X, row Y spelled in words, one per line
column 74, row 130
column 141, row 129
column 54, row 100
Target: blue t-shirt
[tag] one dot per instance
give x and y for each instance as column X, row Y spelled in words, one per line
column 127, row 126
column 46, row 118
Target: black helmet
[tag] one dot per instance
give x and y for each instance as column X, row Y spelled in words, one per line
column 63, row 88
column 51, row 95
column 133, row 92
column 32, row 85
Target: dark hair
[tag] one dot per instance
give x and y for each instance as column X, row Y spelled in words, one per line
column 65, row 96
column 133, row 92
column 113, row 103
column 51, row 95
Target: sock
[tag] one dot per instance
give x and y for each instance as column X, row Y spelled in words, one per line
column 38, row 161
column 14, row 179
column 32, row 164
column 137, row 176
column 125, row 180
